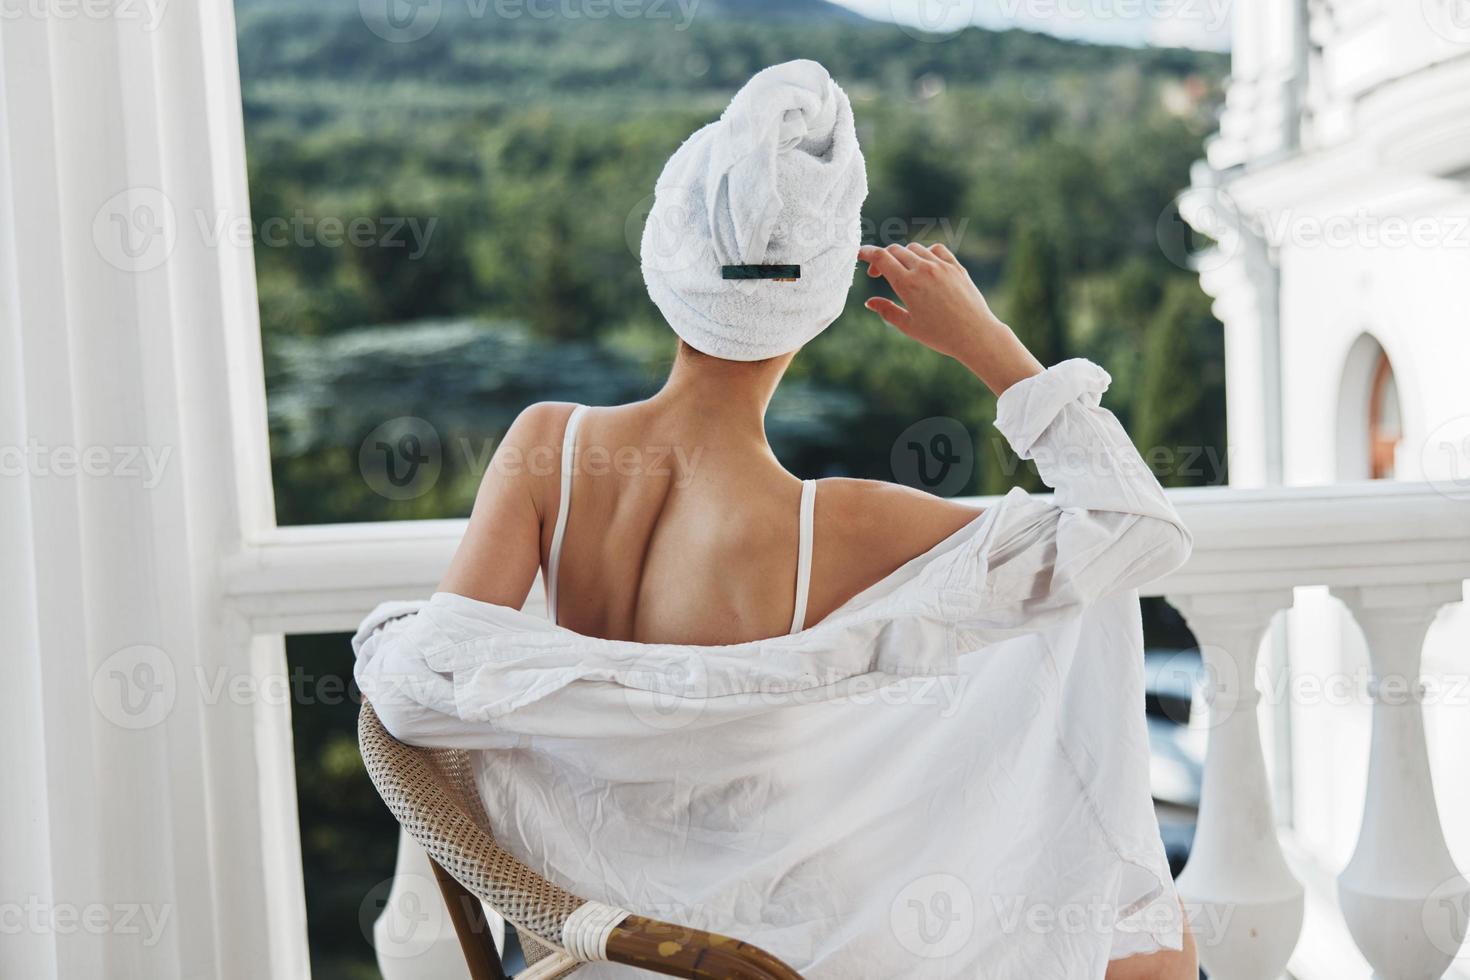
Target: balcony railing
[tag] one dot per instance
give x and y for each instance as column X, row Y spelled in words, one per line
column 1394, row 555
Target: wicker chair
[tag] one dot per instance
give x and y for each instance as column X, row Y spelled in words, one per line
column 432, row 793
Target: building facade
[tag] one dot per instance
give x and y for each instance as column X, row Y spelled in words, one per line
column 1337, row 196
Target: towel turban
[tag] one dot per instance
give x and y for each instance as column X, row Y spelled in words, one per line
column 778, row 179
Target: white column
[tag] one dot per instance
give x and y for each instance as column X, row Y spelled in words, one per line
column 1404, row 901
column 1246, row 905
column 1240, row 273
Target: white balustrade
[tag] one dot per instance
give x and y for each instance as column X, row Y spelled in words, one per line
column 1403, row 899
column 1394, row 553
column 1250, row 902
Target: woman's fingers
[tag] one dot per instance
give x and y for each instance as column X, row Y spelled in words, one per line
column 880, row 261
column 887, row 262
column 895, row 258
column 903, row 256
column 942, row 252
column 889, row 311
column 922, row 251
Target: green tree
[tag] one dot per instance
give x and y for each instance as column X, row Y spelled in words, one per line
column 1035, row 307
column 1180, row 422
column 1035, row 293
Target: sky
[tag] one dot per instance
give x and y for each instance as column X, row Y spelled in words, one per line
column 1178, row 23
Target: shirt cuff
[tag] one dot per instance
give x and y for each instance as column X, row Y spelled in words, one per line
column 1027, row 408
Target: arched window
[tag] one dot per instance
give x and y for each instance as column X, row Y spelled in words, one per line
column 1385, row 428
column 1369, row 420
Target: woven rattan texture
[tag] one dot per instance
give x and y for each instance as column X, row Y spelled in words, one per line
column 432, row 793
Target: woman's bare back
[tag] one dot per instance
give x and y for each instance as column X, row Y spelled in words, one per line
column 681, row 532
column 692, row 537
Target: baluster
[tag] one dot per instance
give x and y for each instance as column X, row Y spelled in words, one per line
column 1245, row 904
column 1399, row 893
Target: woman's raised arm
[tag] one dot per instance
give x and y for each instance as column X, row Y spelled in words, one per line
column 1110, row 526
column 944, row 311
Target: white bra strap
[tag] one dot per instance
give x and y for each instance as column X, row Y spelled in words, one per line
column 804, row 554
column 553, row 564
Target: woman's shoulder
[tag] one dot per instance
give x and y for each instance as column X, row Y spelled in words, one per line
column 544, row 423
column 864, row 507
column 867, row 529
column 540, row 423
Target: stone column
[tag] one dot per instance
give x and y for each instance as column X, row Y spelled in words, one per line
column 1246, row 906
column 1403, row 898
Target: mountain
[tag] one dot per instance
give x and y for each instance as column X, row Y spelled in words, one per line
column 673, row 52
column 765, row 10
column 769, row 10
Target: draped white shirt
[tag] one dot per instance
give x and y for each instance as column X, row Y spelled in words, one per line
column 947, row 777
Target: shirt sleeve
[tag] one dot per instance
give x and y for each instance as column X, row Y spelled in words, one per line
column 1108, row 527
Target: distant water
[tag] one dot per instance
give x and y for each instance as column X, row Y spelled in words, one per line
column 469, row 379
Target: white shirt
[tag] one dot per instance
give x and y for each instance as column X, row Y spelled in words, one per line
column 947, row 777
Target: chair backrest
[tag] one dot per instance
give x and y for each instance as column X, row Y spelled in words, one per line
column 432, row 794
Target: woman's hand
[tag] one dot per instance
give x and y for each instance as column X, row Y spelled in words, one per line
column 944, row 311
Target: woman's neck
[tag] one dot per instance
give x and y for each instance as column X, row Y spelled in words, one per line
column 719, row 401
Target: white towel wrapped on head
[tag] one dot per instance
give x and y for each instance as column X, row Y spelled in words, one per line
column 777, row 180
